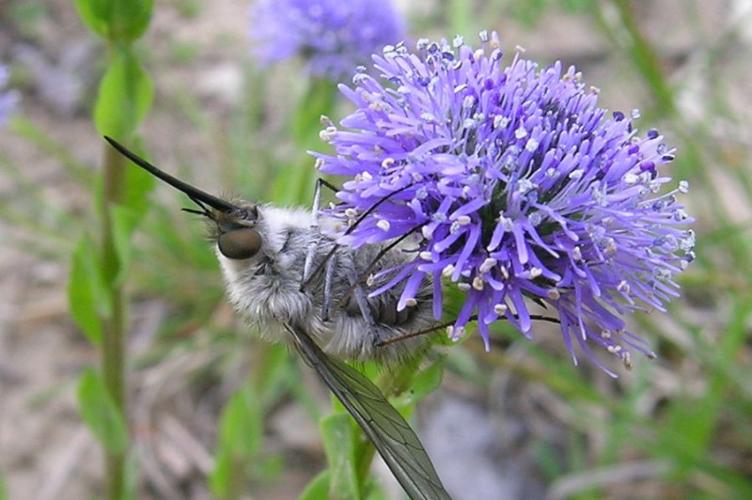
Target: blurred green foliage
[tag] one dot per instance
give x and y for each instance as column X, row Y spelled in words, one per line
column 240, row 433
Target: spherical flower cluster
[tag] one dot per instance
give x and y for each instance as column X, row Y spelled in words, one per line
column 515, row 186
column 334, row 36
column 8, row 99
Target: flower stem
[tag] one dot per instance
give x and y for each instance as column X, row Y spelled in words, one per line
column 113, row 351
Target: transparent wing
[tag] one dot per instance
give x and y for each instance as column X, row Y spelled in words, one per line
column 395, row 441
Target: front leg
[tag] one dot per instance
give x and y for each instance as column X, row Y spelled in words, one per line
column 311, row 251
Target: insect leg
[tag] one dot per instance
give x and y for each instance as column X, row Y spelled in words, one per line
column 361, row 298
column 441, row 326
column 323, row 182
column 326, row 306
column 311, row 251
column 320, row 267
column 418, row 333
column 371, row 265
column 308, row 263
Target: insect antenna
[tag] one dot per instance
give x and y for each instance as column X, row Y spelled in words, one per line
column 441, row 326
column 204, row 211
column 320, row 267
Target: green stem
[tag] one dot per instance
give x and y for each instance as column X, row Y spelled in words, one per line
column 113, row 350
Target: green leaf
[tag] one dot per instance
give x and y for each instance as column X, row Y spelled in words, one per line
column 94, row 14
column 424, row 383
column 125, row 96
column 275, row 373
column 221, row 478
column 427, row 380
column 318, row 488
column 339, row 445
column 241, row 424
column 130, row 18
column 116, row 20
column 99, row 412
column 88, row 295
column 375, row 491
column 240, row 434
column 462, row 362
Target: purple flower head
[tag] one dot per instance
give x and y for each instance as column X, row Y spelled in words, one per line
column 513, row 185
column 334, row 36
column 8, row 99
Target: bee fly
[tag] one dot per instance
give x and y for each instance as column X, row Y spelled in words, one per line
column 285, row 275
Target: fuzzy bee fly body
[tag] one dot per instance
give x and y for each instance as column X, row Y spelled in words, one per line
column 264, row 284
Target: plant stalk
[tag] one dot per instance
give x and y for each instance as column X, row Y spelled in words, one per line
column 113, row 338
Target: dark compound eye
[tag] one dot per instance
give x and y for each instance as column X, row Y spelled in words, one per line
column 239, row 243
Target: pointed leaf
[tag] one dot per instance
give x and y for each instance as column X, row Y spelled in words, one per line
column 125, row 96
column 94, row 14
column 116, row 20
column 99, row 412
column 424, row 383
column 318, row 488
column 88, row 296
column 240, row 433
column 337, row 434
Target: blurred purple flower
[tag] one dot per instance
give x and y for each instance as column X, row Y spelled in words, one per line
column 512, row 183
column 8, row 99
column 334, row 36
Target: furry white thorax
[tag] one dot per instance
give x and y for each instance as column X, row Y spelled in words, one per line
column 265, row 289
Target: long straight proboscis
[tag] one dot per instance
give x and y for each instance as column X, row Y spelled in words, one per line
column 195, row 194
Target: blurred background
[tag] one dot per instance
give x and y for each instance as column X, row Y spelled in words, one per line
column 518, row 422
